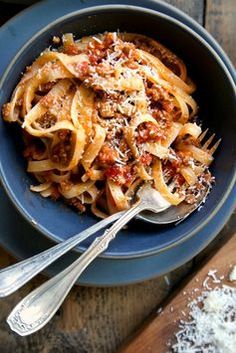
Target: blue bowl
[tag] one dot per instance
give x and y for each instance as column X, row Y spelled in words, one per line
column 216, row 98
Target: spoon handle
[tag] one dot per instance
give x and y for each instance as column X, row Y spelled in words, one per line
column 15, row 276
column 38, row 307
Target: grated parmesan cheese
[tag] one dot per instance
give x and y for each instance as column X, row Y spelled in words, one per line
column 212, row 274
column 232, row 276
column 167, row 280
column 211, row 326
column 97, row 40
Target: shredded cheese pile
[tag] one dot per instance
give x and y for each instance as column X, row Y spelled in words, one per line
column 211, row 327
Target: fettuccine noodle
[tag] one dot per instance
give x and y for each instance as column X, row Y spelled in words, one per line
column 102, row 115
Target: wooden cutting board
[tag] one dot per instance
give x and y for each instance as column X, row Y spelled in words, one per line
column 160, row 328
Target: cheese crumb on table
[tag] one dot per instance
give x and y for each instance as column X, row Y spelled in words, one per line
column 232, row 276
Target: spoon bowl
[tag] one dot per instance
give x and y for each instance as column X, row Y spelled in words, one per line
column 173, row 214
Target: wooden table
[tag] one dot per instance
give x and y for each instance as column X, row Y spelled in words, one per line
column 98, row 320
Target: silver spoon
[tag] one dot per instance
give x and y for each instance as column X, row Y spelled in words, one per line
column 37, row 308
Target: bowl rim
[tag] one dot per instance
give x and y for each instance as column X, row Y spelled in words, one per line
column 106, row 8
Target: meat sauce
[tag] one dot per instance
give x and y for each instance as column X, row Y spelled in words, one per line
column 107, row 155
column 121, row 175
column 149, row 132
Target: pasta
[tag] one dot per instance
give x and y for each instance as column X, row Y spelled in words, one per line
column 106, row 113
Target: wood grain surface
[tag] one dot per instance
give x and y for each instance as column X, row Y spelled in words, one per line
column 98, row 320
column 220, row 20
column 160, row 329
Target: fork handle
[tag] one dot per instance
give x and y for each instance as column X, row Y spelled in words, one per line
column 37, row 308
column 15, row 276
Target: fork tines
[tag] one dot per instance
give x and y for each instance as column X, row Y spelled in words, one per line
column 214, row 147
column 206, row 144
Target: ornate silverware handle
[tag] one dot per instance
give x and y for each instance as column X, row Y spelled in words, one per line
column 34, row 311
column 15, row 276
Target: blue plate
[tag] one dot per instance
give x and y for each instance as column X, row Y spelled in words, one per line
column 28, row 241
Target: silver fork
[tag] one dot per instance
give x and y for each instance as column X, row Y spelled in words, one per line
column 34, row 311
